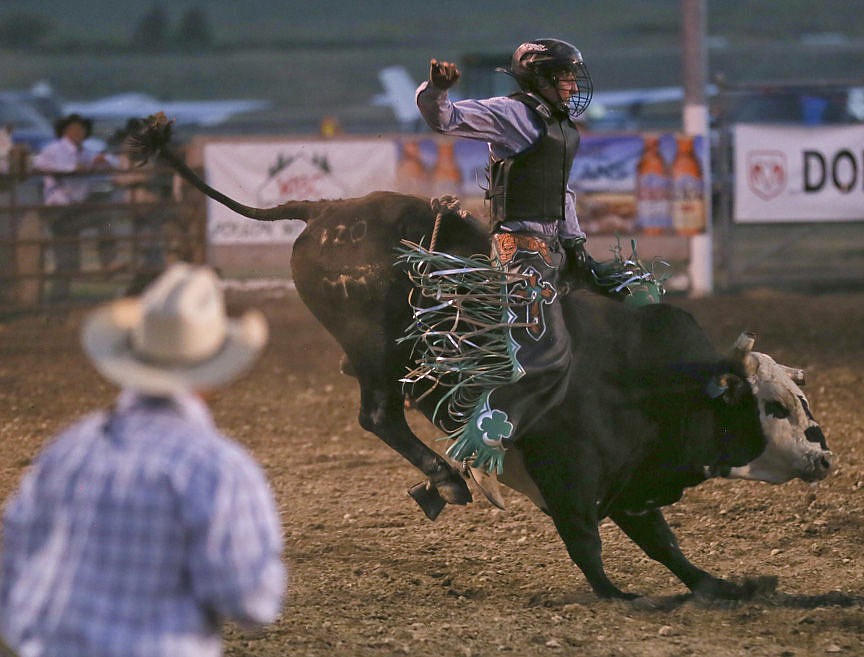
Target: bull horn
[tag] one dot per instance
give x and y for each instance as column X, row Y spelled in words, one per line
column 742, row 352
column 743, row 345
column 794, row 373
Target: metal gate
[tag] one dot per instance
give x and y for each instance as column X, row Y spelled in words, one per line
column 145, row 233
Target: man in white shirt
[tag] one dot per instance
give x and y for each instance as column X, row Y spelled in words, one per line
column 69, row 191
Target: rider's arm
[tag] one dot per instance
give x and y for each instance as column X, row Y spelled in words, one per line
column 508, row 125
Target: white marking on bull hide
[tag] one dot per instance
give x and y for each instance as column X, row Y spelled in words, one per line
column 788, row 453
column 342, row 235
column 345, row 282
column 357, row 281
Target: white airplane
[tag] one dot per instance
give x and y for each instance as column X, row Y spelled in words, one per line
column 398, row 94
column 628, row 97
column 206, row 113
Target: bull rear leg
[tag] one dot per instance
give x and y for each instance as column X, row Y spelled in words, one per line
column 650, row 531
column 382, row 412
column 569, row 488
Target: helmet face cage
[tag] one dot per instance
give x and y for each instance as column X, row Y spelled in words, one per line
column 578, row 102
column 543, row 62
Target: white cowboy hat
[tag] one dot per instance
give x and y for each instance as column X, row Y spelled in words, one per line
column 176, row 337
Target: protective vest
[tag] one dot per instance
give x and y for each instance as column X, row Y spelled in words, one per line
column 533, row 184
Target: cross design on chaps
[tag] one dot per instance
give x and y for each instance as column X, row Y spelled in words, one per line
column 536, row 292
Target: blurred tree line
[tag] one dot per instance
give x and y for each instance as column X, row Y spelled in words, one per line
column 153, row 32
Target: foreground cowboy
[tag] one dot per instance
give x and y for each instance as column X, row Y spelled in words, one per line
column 140, row 529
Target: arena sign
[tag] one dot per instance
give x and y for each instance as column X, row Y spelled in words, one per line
column 792, row 173
column 266, row 174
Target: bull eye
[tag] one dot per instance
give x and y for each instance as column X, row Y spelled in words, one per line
column 775, row 409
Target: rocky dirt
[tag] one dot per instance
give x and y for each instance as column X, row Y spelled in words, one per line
column 370, row 575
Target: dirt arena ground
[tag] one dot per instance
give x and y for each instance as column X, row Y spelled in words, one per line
column 370, row 575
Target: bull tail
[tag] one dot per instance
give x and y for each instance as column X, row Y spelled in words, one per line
column 152, row 139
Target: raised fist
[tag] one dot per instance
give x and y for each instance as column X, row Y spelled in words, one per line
column 443, row 75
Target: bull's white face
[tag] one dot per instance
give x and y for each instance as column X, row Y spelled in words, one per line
column 795, row 446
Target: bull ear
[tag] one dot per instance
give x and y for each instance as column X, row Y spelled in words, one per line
column 716, row 387
column 794, row 373
column 728, row 386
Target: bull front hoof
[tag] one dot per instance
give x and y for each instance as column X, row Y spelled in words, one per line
column 749, row 588
column 428, row 498
column 612, row 592
column 646, row 603
column 718, row 589
column 627, row 597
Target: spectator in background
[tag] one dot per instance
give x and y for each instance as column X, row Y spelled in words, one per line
column 140, row 528
column 67, row 155
column 148, row 193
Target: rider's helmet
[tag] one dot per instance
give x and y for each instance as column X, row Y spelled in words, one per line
column 544, row 61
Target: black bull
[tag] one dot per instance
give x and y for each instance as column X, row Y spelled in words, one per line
column 652, row 408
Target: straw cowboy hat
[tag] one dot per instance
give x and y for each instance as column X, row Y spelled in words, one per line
column 61, row 124
column 176, row 337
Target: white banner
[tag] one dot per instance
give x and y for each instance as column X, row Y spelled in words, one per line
column 792, row 173
column 266, row 174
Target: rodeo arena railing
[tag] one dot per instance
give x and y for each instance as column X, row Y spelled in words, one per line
column 784, row 204
column 132, row 223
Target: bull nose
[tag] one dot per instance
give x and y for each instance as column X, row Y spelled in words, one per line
column 821, row 465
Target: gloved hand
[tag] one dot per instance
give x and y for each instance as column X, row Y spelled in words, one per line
column 443, row 75
column 578, row 266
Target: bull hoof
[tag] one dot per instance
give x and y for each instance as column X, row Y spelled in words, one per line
column 620, row 595
column 608, row 591
column 453, row 489
column 428, row 498
column 721, row 589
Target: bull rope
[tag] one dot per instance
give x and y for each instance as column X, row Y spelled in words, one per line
column 446, row 204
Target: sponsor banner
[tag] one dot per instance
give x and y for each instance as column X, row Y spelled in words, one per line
column 608, row 163
column 624, row 183
column 793, row 173
column 606, row 176
column 266, row 174
column 631, row 183
column 432, row 166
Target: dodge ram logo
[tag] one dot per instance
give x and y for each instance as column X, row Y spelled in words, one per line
column 766, row 173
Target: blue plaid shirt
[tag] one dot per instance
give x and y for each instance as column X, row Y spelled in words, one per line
column 135, row 533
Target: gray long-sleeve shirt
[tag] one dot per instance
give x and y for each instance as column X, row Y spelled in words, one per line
column 508, row 126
